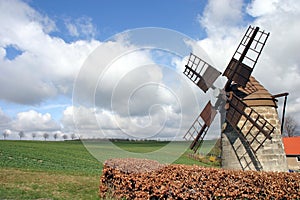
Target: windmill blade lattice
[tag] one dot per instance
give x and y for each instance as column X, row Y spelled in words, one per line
column 245, row 57
column 199, row 128
column 248, row 122
column 200, row 72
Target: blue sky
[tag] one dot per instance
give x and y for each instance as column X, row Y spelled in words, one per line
column 44, row 45
column 111, row 17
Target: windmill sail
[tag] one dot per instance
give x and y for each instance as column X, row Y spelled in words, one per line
column 200, row 72
column 200, row 126
column 248, row 122
column 245, row 57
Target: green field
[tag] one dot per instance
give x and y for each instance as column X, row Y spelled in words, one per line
column 65, row 170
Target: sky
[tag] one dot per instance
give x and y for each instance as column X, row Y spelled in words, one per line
column 88, row 66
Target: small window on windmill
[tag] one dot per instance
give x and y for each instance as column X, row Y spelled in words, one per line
column 200, row 72
column 298, row 158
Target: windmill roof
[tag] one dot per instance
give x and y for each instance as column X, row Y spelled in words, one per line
column 257, row 95
column 291, row 145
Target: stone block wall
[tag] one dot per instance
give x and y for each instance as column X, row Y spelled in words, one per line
column 236, row 154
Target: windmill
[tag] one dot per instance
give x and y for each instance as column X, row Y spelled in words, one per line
column 250, row 138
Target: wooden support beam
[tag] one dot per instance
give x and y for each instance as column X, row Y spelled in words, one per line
column 285, row 94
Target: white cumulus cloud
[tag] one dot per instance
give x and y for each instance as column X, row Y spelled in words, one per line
column 47, row 66
column 34, row 121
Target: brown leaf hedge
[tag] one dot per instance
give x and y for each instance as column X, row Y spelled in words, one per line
column 147, row 179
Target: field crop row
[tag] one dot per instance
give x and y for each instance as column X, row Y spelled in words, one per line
column 66, row 157
column 28, row 167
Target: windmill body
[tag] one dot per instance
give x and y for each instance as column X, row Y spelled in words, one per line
column 251, row 139
column 249, row 149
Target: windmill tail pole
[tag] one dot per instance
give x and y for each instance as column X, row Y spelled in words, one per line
column 283, row 112
column 284, row 107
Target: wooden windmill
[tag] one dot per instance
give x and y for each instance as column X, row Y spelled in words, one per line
column 251, row 137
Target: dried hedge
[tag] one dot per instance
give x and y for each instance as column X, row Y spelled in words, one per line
column 147, row 179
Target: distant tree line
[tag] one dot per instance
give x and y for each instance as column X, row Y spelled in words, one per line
column 45, row 135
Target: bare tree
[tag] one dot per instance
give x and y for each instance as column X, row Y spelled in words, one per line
column 290, row 125
column 73, row 136
column 33, row 135
column 55, row 136
column 46, row 136
column 65, row 136
column 21, row 134
column 6, row 133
